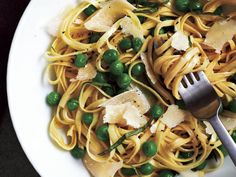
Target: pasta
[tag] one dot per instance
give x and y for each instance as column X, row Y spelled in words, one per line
column 124, row 60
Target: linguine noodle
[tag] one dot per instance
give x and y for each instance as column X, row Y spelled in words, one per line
column 165, row 67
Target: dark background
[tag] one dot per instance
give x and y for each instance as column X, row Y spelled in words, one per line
column 13, row 162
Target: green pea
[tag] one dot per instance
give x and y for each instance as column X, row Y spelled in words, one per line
column 78, row 152
column 72, row 104
column 201, row 166
column 195, row 6
column 80, row 60
column 149, row 148
column 87, row 118
column 218, row 11
column 110, row 56
column 232, row 106
column 123, row 81
column 122, row 90
column 100, row 77
column 117, row 68
column 102, row 133
column 166, row 173
column 162, row 31
column 128, row 171
column 90, row 10
column 182, row 5
column 138, row 69
column 94, row 37
column 137, row 44
column 181, row 104
column 233, row 135
column 125, row 44
column 146, row 169
column 156, row 111
column 223, row 150
column 141, row 19
column 109, row 91
column 185, row 155
column 53, row 98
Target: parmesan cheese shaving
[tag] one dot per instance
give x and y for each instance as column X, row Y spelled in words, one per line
column 153, row 128
column 147, row 96
column 86, row 73
column 173, row 116
column 108, row 15
column 135, row 97
column 209, row 129
column 180, row 41
column 148, row 68
column 229, row 123
column 213, row 138
column 124, row 114
column 190, row 173
column 114, row 114
column 161, row 127
column 104, row 169
column 221, row 32
column 158, row 126
column 129, row 27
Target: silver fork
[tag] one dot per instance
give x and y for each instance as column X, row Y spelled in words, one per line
column 203, row 102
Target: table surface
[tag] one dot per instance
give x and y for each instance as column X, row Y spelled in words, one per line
column 13, row 162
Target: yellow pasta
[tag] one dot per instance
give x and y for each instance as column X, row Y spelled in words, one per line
column 158, row 23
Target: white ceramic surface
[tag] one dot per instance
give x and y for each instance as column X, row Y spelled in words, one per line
column 27, row 88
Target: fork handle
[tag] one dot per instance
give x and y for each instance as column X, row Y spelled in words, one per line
column 224, row 136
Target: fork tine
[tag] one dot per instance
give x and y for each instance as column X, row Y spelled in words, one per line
column 181, row 87
column 186, row 80
column 192, row 76
column 202, row 75
column 182, row 90
column 203, row 102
